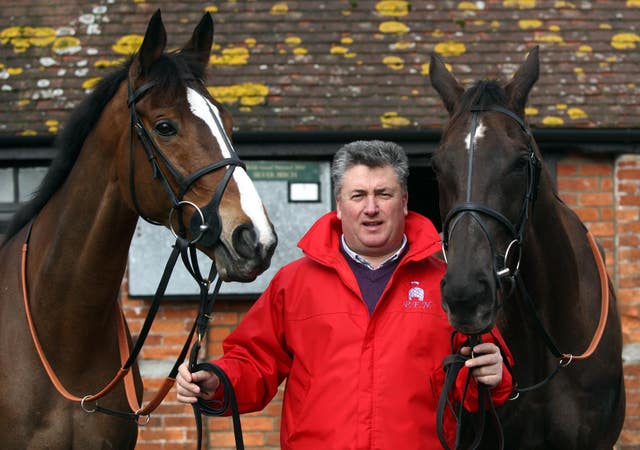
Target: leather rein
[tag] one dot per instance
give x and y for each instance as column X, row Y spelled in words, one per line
column 510, row 269
column 205, row 226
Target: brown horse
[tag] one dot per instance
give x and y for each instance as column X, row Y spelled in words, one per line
column 149, row 141
column 518, row 257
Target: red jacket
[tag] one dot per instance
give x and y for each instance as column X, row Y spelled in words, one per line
column 354, row 381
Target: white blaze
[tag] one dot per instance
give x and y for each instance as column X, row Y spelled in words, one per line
column 480, row 129
column 249, row 198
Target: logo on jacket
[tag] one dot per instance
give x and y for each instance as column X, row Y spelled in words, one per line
column 415, row 297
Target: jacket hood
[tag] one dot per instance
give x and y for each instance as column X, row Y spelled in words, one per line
column 323, row 238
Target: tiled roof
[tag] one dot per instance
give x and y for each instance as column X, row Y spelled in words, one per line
column 332, row 65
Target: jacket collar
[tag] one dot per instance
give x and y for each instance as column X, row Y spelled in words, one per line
column 322, row 240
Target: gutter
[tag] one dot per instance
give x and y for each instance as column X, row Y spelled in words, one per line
column 308, row 144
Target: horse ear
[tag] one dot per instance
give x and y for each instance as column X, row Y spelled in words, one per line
column 199, row 46
column 154, row 43
column 518, row 88
column 444, row 83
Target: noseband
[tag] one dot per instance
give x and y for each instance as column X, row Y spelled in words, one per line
column 205, row 224
column 507, row 265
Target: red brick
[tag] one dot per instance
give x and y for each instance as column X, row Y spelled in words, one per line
column 596, row 199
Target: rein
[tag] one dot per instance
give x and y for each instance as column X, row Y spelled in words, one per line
column 454, row 362
column 206, row 226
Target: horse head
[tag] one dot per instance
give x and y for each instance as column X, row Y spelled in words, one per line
column 182, row 170
column 488, row 172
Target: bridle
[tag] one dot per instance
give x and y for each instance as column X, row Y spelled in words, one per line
column 205, row 227
column 506, row 265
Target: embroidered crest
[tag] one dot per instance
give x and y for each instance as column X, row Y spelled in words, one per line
column 415, row 297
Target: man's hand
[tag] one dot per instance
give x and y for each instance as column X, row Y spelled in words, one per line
column 192, row 386
column 486, row 365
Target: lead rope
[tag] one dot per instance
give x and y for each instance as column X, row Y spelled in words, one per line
column 228, row 402
column 452, row 365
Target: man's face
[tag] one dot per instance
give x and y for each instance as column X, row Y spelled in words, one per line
column 372, row 208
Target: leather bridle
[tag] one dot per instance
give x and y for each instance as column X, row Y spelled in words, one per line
column 507, row 264
column 205, row 225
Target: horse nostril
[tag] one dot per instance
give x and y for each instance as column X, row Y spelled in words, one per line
column 245, row 241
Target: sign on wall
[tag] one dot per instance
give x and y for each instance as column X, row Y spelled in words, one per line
column 295, row 194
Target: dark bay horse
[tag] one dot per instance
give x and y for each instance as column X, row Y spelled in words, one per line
column 148, row 142
column 516, row 251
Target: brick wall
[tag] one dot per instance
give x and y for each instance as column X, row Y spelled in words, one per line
column 605, row 192
column 627, row 194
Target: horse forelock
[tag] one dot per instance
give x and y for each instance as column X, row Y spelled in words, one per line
column 483, row 93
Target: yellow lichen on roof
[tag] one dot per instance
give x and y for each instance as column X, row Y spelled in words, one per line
column 246, row 94
column 521, row 4
column 392, row 119
column 450, row 48
column 293, row 40
column 90, row 83
column 128, row 44
column 338, row 50
column 584, row 50
column 393, row 62
column 279, row 8
column 553, row 121
column 625, row 41
column 66, row 45
column 468, row 6
column 106, row 63
column 52, row 125
column 531, row 111
column 633, row 3
column 393, row 27
column 21, row 38
column 403, row 45
column 211, row 9
column 526, row 24
column 394, row 8
column 576, row 113
column 231, row 56
column 549, row 39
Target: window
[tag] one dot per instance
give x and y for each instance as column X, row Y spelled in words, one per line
column 17, row 185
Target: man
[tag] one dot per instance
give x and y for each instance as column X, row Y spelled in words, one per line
column 355, row 325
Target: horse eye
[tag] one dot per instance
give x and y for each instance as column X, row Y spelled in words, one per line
column 521, row 162
column 165, row 128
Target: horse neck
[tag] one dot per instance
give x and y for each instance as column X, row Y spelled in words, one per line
column 557, row 274
column 79, row 242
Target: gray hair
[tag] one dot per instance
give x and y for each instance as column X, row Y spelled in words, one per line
column 371, row 154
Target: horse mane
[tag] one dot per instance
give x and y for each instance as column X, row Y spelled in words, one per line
column 169, row 72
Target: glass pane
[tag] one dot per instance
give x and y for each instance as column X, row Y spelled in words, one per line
column 29, row 179
column 7, row 194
